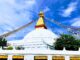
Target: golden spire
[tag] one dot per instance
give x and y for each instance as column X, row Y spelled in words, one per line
column 41, row 14
column 40, row 23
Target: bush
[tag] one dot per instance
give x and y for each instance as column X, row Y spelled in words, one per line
column 19, row 48
column 10, row 48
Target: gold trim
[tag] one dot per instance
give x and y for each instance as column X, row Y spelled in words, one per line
column 58, row 58
column 3, row 56
column 40, row 57
column 75, row 58
column 18, row 57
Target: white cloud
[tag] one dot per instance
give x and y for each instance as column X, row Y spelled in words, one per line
column 8, row 10
column 71, row 7
column 9, row 17
column 58, row 31
column 46, row 9
column 76, row 22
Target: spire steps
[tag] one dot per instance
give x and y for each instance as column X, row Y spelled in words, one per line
column 40, row 23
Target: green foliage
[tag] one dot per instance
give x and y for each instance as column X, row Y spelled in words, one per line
column 19, row 48
column 10, row 48
column 3, row 42
column 67, row 41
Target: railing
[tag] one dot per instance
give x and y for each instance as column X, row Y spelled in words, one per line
column 30, row 54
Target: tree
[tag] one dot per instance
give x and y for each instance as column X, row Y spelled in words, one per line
column 3, row 42
column 67, row 41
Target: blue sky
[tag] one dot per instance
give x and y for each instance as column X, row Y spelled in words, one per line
column 15, row 13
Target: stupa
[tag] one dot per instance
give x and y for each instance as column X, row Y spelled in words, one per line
column 38, row 38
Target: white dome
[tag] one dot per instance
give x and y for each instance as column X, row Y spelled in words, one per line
column 40, row 35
